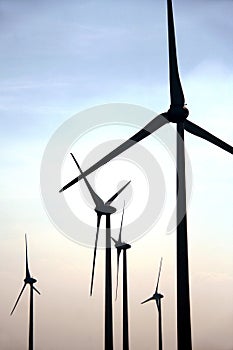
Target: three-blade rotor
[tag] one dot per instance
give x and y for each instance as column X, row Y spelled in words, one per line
column 156, row 296
column 28, row 279
column 176, row 113
column 101, row 209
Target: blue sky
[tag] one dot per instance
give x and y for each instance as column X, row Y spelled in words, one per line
column 58, row 58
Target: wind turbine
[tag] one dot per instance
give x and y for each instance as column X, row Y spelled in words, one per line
column 101, row 209
column 28, row 280
column 177, row 113
column 157, row 297
column 123, row 246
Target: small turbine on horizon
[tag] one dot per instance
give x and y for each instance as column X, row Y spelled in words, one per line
column 157, row 297
column 28, row 280
column 120, row 245
column 104, row 208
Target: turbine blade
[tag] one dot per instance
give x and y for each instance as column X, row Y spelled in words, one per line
column 152, row 126
column 145, row 301
column 18, row 298
column 97, row 200
column 120, row 233
column 160, row 266
column 114, row 240
column 198, row 131
column 176, row 92
column 117, row 194
column 36, row 290
column 118, row 263
column 94, row 257
column 27, row 268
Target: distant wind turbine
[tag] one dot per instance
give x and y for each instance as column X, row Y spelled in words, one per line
column 178, row 114
column 123, row 246
column 101, row 209
column 28, row 280
column 157, row 297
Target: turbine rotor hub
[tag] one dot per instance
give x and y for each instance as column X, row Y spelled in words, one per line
column 177, row 114
column 123, row 245
column 30, row 280
column 158, row 296
column 105, row 210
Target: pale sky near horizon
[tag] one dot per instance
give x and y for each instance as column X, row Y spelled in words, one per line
column 58, row 58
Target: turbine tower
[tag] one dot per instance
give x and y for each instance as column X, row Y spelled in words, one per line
column 28, row 280
column 178, row 114
column 157, row 297
column 105, row 209
column 123, row 246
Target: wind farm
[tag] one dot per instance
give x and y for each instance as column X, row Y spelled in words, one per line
column 59, row 60
column 178, row 114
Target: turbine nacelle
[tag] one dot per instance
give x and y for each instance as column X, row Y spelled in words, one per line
column 30, row 280
column 122, row 245
column 105, row 209
column 157, row 296
column 177, row 114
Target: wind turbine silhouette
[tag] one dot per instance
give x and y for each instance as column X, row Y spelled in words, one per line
column 101, row 209
column 177, row 113
column 157, row 297
column 123, row 246
column 28, row 280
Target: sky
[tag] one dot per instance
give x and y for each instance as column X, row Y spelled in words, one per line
column 59, row 58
